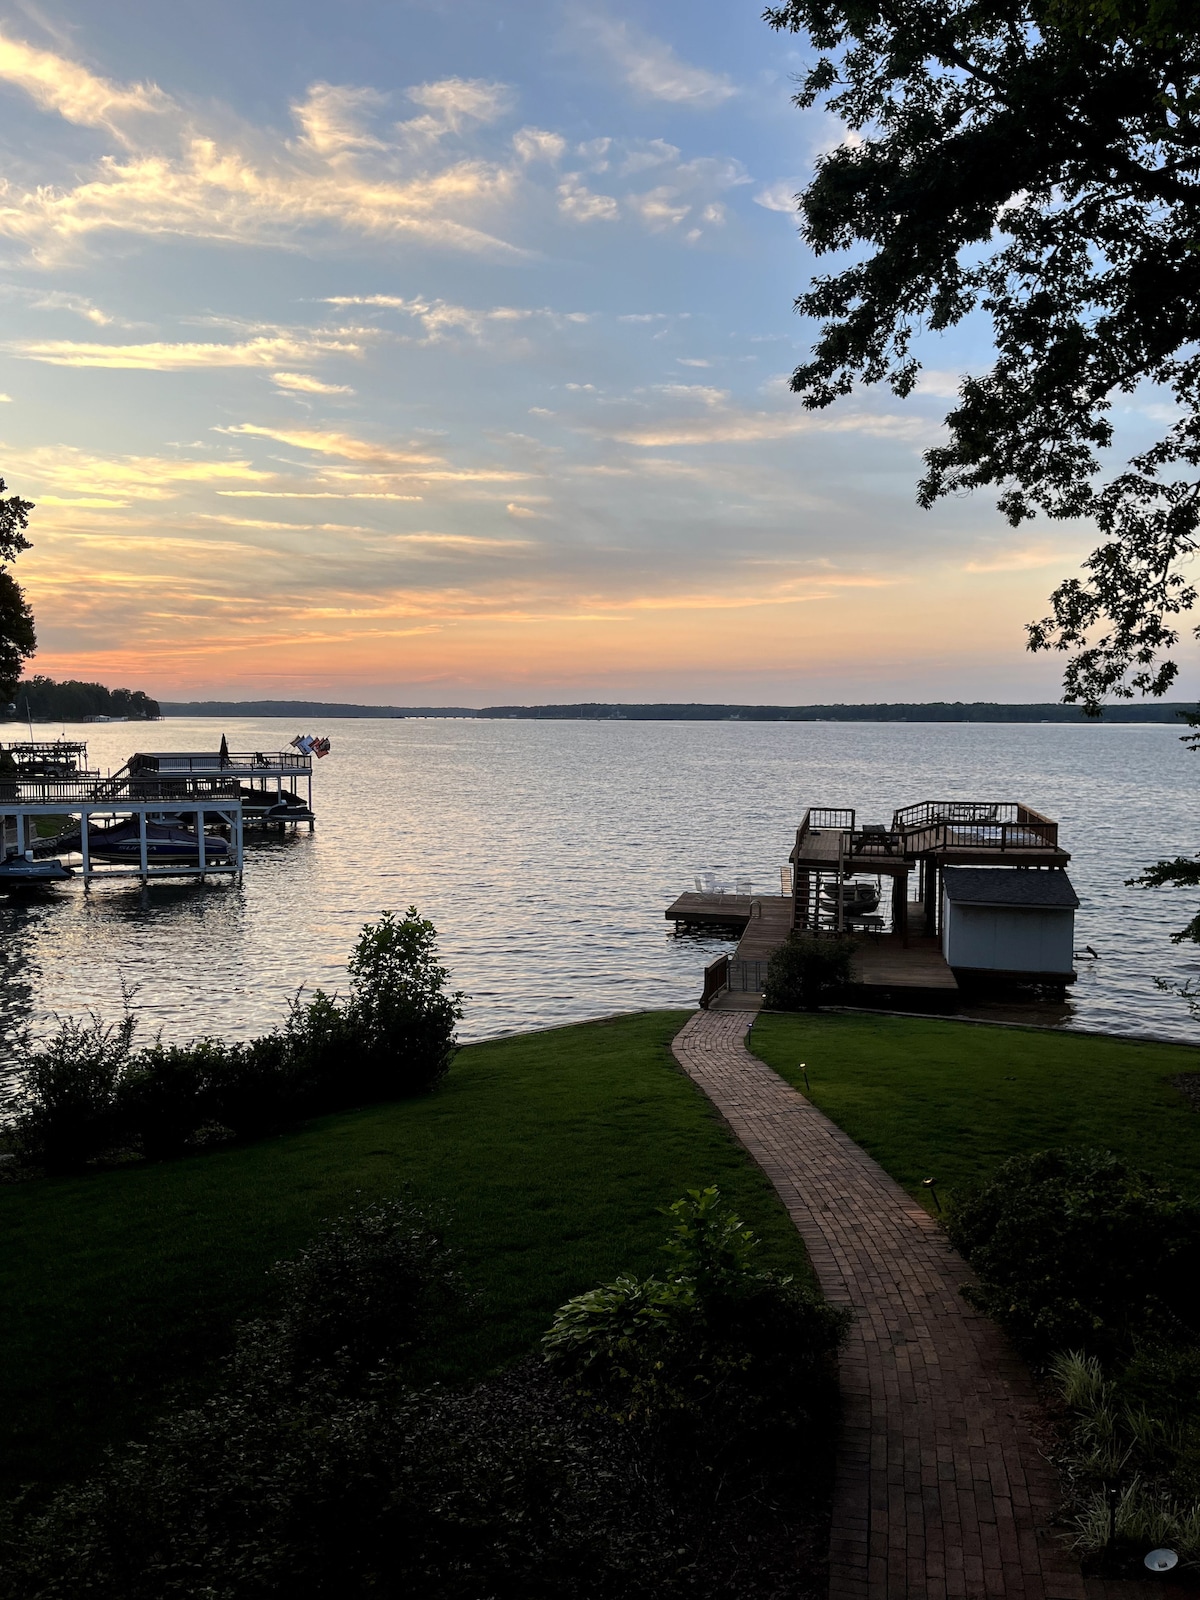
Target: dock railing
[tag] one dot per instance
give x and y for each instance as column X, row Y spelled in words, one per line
column 45, row 791
column 716, row 978
column 974, row 824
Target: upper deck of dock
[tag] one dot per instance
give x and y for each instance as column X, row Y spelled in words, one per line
column 947, row 832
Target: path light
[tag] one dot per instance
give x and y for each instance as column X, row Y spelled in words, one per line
column 1162, row 1560
column 931, row 1185
column 804, row 1070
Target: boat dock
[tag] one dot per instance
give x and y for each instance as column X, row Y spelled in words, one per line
column 858, row 880
column 164, row 814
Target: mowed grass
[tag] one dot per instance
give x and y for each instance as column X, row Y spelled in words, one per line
column 550, row 1155
column 946, row 1100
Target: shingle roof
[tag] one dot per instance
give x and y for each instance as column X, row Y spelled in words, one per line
column 1009, row 886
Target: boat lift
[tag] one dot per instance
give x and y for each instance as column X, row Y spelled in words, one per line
column 34, row 786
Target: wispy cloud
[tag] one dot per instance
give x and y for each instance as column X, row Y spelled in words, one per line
column 119, row 479
column 720, row 420
column 345, row 445
column 650, row 66
column 76, row 94
column 181, row 176
column 164, row 357
column 305, row 383
column 440, row 319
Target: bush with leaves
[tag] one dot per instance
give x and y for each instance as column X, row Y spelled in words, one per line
column 400, row 1016
column 314, row 1472
column 68, row 1109
column 717, row 1348
column 88, row 1092
column 360, row 1297
column 1075, row 1250
column 807, row 969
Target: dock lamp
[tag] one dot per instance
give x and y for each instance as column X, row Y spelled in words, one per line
column 931, row 1185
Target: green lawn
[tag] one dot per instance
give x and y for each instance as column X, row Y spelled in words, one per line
column 550, row 1152
column 943, row 1099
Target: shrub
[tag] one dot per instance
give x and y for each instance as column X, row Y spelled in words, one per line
column 1075, row 1250
column 401, row 1019
column 68, row 1110
column 362, row 1294
column 724, row 1350
column 303, row 1475
column 160, row 1097
column 807, row 969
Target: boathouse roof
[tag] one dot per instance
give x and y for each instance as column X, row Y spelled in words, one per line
column 1029, row 887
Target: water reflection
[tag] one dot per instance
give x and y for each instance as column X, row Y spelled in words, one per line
column 546, row 854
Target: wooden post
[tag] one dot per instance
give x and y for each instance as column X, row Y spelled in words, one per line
column 143, row 850
column 85, row 819
column 200, row 841
column 20, row 833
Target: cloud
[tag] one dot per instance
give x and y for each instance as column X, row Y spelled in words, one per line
column 116, row 480
column 452, row 103
column 334, row 444
column 779, row 196
column 535, row 144
column 5, row 399
column 721, row 421
column 1025, row 559
column 440, row 319
column 180, row 176
column 330, row 119
column 76, row 94
column 162, row 357
column 651, row 68
column 580, row 204
column 305, row 383
column 944, row 384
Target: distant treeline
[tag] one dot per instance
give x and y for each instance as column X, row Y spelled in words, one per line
column 46, row 701
column 304, row 708
column 595, row 711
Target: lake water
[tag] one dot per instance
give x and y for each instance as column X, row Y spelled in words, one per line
column 546, row 853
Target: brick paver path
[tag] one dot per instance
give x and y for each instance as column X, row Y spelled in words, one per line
column 941, row 1492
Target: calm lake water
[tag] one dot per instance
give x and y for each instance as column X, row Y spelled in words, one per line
column 546, row 854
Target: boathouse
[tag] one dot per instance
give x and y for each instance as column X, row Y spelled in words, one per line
column 1009, row 922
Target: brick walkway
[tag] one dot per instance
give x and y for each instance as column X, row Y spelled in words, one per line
column 941, row 1493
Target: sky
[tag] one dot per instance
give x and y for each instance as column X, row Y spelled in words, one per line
column 439, row 354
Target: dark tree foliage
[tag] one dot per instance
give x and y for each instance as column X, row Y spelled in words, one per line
column 18, row 640
column 72, row 700
column 1039, row 161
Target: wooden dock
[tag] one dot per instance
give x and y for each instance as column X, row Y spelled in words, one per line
column 902, row 973
column 910, row 975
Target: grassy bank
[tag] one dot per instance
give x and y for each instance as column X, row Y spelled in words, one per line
column 549, row 1152
column 943, row 1099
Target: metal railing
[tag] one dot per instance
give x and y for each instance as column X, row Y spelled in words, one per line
column 212, row 761
column 47, row 791
column 974, row 824
column 746, row 977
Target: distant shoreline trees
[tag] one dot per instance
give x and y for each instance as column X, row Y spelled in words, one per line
column 44, row 700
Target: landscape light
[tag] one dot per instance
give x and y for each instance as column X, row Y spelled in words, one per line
column 1162, row 1560
column 804, row 1070
column 931, row 1185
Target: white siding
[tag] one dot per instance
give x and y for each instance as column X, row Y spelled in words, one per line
column 1008, row 938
